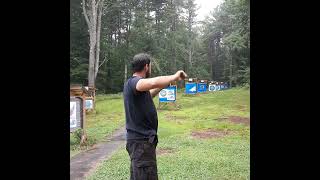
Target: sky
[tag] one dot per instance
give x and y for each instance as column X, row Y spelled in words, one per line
column 205, row 7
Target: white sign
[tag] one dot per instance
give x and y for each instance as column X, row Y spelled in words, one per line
column 170, row 94
column 89, row 104
column 212, row 87
column 167, row 94
column 73, row 115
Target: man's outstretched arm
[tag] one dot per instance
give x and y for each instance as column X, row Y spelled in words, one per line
column 159, row 82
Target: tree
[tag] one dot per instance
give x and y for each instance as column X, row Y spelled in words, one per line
column 78, row 44
column 191, row 14
column 93, row 10
column 229, row 53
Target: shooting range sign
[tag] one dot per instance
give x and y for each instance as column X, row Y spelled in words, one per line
column 168, row 94
column 218, row 88
column 191, row 88
column 76, row 113
column 89, row 104
column 212, row 87
column 202, row 87
column 73, row 117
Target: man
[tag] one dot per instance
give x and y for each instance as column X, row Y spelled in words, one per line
column 141, row 116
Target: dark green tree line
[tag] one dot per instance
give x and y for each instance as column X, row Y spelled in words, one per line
column 216, row 49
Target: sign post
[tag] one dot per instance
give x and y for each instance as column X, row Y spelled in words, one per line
column 78, row 110
column 76, row 113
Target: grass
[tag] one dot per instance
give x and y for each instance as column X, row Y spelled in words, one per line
column 217, row 158
column 107, row 117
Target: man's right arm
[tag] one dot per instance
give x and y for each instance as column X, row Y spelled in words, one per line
column 158, row 82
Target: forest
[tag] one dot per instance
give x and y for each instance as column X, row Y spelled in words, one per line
column 106, row 34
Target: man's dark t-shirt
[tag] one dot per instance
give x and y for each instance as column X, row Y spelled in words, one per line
column 141, row 114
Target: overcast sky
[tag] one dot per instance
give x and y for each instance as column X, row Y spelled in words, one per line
column 205, row 7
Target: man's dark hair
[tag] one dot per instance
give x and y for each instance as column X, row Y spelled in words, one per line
column 139, row 61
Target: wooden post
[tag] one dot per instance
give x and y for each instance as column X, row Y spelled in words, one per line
column 94, row 97
column 84, row 134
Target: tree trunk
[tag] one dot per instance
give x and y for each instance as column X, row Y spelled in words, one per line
column 93, row 19
column 125, row 73
column 190, row 56
column 190, row 39
column 236, row 68
column 230, row 71
column 211, row 53
column 91, row 65
column 93, row 41
column 174, row 58
column 100, row 12
column 175, row 55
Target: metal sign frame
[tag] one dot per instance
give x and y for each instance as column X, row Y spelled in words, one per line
column 80, row 112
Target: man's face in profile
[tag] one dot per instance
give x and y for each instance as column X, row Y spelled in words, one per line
column 148, row 70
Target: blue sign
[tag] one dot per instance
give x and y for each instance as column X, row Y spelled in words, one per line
column 222, row 87
column 191, row 88
column 212, row 87
column 202, row 87
column 89, row 104
column 168, row 94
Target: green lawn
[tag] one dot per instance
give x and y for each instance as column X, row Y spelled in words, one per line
column 108, row 116
column 187, row 157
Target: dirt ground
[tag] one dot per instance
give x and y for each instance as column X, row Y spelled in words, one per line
column 162, row 151
column 209, row 133
column 236, row 120
column 240, row 120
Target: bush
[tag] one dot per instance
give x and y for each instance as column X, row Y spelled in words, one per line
column 75, row 137
column 246, row 86
column 75, row 140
